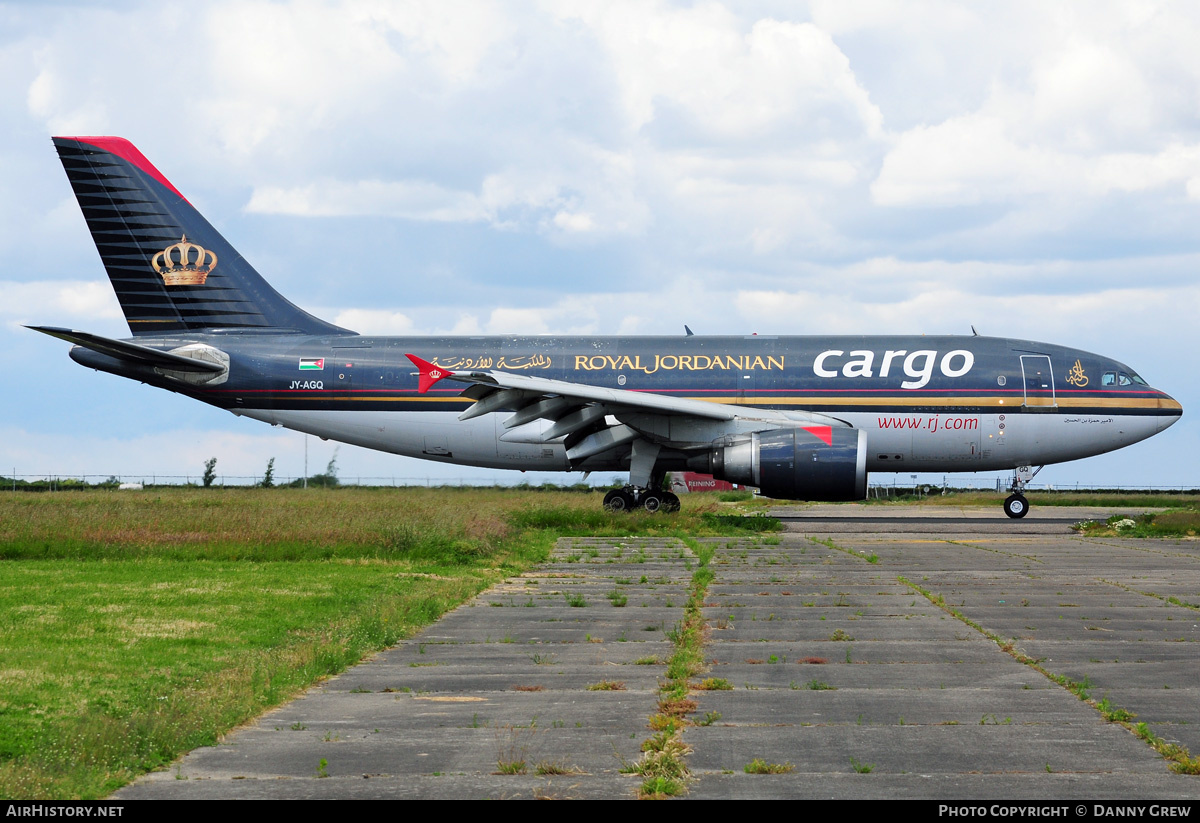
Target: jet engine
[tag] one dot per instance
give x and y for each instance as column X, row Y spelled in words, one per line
column 794, row 464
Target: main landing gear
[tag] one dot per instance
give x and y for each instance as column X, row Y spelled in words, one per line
column 1015, row 505
column 633, row 497
column 644, row 489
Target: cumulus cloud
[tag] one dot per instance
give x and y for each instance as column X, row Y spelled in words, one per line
column 1089, row 106
column 374, row 321
column 66, row 300
column 416, row 200
column 729, row 79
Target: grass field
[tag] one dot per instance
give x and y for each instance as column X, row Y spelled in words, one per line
column 135, row 626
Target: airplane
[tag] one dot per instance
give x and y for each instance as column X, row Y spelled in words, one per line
column 800, row 418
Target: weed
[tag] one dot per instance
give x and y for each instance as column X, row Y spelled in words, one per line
column 1114, row 714
column 663, row 722
column 816, row 661
column 538, row 688
column 298, row 726
column 662, row 756
column 677, row 706
column 647, row 661
column 543, row 659
column 617, row 598
column 862, row 768
column 757, row 766
column 817, row 686
column 607, row 686
column 323, row 768
column 575, row 601
column 708, row 719
column 512, row 748
column 658, row 787
column 549, row 767
column 713, row 684
column 840, row 635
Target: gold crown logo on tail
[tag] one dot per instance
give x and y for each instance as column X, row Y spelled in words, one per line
column 184, row 263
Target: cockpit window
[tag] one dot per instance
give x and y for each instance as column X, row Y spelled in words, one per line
column 1121, row 378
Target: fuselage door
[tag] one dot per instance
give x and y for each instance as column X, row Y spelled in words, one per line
column 1039, row 381
column 346, row 355
column 745, row 385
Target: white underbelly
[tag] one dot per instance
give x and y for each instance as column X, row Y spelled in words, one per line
column 437, row 436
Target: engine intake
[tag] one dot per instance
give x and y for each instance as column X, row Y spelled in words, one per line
column 794, row 464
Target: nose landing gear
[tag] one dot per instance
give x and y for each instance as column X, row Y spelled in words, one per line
column 1015, row 505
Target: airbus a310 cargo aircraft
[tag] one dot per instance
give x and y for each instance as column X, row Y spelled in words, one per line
column 799, row 417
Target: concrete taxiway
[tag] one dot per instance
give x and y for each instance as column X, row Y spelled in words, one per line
column 881, row 652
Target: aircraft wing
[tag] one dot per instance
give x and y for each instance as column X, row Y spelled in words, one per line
column 581, row 412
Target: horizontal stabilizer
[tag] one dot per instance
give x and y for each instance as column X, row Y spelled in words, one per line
column 131, row 352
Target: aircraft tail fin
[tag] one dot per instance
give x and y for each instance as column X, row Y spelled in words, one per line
column 172, row 271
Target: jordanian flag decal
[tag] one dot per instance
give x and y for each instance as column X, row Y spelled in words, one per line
column 312, row 363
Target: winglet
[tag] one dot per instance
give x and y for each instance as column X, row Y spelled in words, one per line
column 820, row 432
column 428, row 374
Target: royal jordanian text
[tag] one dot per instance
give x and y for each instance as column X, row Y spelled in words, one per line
column 679, row 362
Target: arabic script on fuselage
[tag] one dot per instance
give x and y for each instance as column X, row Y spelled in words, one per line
column 504, row 363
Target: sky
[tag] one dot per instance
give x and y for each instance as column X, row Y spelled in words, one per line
column 605, row 168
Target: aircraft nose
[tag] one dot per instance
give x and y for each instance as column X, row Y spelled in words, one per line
column 1169, row 411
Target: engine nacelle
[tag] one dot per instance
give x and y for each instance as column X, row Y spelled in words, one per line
column 795, row 464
